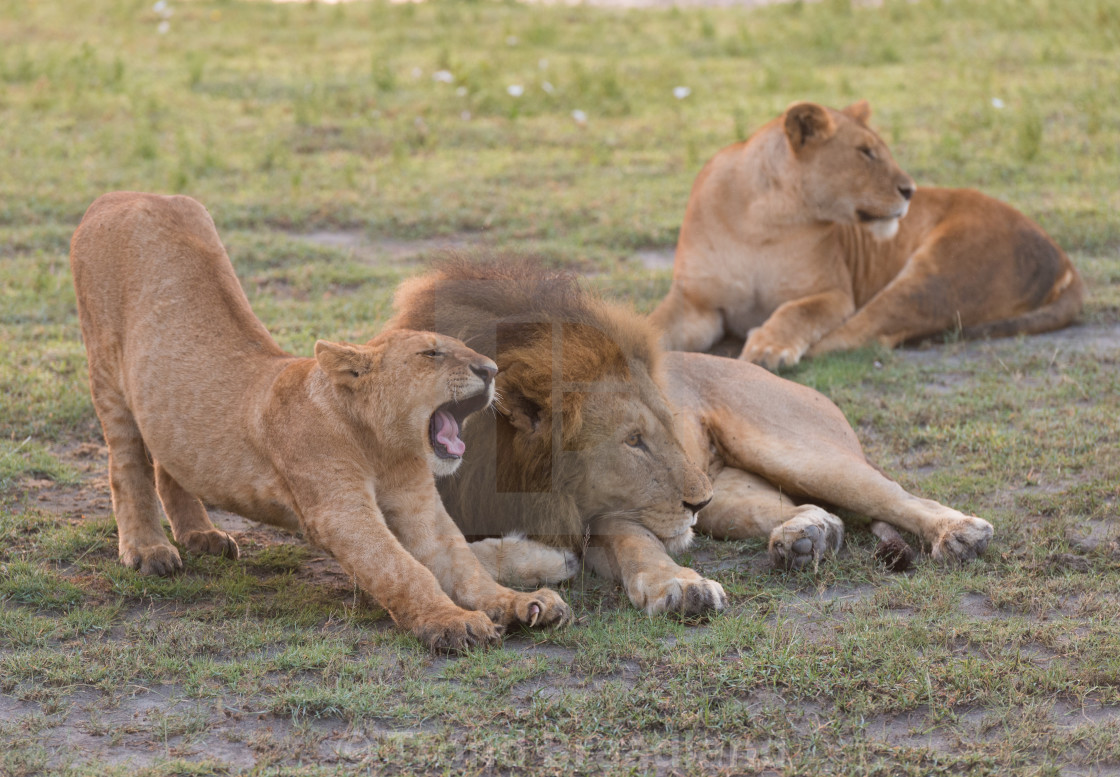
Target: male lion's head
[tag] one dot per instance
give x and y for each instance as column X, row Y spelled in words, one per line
column 582, row 421
column 847, row 173
column 415, row 390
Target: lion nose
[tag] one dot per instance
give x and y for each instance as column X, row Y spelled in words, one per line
column 696, row 507
column 906, row 190
column 484, row 371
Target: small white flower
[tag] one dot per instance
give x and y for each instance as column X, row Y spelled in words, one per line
column 465, row 115
column 681, row 92
column 580, row 117
column 443, row 76
column 163, row 27
column 542, row 64
column 512, row 40
column 461, row 91
column 997, row 103
column 515, row 90
column 548, row 87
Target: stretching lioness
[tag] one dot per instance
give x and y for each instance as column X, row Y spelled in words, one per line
column 602, row 445
column 197, row 402
column 796, row 240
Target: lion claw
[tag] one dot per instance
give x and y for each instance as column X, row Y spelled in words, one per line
column 214, row 542
column 158, row 560
column 538, row 609
column 688, row 598
column 458, row 632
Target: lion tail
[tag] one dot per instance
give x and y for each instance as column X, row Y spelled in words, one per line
column 1059, row 312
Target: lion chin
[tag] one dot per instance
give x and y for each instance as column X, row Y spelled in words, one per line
column 680, row 542
column 882, row 229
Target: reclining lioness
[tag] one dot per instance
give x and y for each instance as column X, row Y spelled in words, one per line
column 808, row 238
column 198, row 404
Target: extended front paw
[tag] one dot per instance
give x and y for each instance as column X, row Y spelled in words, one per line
column 771, row 352
column 687, row 597
column 454, row 630
column 963, row 540
column 214, row 542
column 806, row 538
column 160, row 559
column 525, row 563
column 539, row 609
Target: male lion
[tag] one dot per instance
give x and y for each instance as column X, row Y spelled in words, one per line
column 197, row 402
column 602, row 444
column 795, row 240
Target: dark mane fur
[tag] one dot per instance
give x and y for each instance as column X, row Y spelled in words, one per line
column 526, row 317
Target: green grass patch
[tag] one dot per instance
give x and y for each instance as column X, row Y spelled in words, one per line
column 338, row 148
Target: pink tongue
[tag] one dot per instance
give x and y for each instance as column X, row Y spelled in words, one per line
column 447, row 434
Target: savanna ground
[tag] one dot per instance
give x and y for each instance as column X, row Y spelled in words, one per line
column 339, row 147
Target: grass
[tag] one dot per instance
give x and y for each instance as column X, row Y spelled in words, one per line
column 291, row 121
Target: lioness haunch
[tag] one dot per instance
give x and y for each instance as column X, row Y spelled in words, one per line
column 198, row 404
column 808, row 238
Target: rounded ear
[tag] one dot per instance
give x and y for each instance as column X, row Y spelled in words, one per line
column 807, row 123
column 860, row 111
column 522, row 412
column 341, row 361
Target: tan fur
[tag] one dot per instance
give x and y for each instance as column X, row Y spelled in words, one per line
column 805, row 239
column 579, row 375
column 583, row 453
column 198, row 404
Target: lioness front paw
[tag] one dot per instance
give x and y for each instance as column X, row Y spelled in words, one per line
column 215, row 542
column 454, row 630
column 806, row 538
column 538, row 609
column 687, row 597
column 770, row 352
column 161, row 559
column 964, row 540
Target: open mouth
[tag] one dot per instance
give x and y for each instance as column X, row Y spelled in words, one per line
column 447, row 422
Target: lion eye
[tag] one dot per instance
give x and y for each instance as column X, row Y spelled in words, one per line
column 868, row 152
column 432, row 353
column 635, row 440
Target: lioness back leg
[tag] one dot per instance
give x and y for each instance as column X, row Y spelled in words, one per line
column 946, row 285
column 189, row 522
column 516, row 560
column 746, row 506
column 910, row 306
column 141, row 540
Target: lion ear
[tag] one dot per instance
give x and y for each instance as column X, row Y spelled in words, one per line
column 342, row 362
column 860, row 111
column 523, row 413
column 807, row 122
